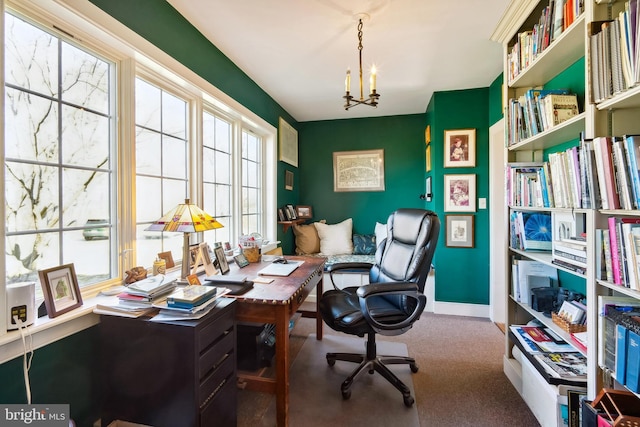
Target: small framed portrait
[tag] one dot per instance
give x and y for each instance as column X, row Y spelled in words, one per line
column 241, row 260
column 459, row 230
column 303, row 212
column 222, row 259
column 192, row 279
column 290, row 212
column 60, row 289
column 460, row 193
column 460, row 148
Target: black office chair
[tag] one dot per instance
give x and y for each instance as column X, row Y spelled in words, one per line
column 391, row 302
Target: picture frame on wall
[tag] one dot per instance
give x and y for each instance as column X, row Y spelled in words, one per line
column 288, row 180
column 288, row 141
column 358, row 170
column 460, row 148
column 60, row 289
column 303, row 212
column 460, row 193
column 459, row 230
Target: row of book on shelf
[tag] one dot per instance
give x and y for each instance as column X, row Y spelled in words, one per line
column 619, row 349
column 539, row 110
column 600, row 173
column 161, row 295
column 615, row 53
column 618, row 252
column 554, row 19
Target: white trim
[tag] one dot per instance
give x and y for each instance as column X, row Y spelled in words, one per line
column 512, row 18
column 3, row 240
column 461, row 309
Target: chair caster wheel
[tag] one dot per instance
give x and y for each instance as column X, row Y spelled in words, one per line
column 371, row 371
column 346, row 394
column 408, row 401
column 414, row 367
column 331, row 360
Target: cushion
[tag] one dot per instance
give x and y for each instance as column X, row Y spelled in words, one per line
column 335, row 239
column 381, row 232
column 307, row 240
column 364, row 244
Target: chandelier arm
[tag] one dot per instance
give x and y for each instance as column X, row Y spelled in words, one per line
column 372, row 101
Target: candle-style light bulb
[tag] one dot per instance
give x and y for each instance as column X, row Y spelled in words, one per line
column 372, row 79
column 347, row 81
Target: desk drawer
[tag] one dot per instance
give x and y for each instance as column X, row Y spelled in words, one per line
column 304, row 292
column 218, row 352
column 216, row 380
column 215, row 331
column 221, row 410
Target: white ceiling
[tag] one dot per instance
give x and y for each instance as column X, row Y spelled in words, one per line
column 298, row 51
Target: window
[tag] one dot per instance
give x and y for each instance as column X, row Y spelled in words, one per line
column 251, row 182
column 162, row 166
column 59, row 145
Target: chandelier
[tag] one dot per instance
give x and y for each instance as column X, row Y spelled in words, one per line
column 373, row 96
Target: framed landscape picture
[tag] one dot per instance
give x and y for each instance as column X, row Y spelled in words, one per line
column 358, row 170
column 460, row 193
column 288, row 137
column 60, row 289
column 460, row 148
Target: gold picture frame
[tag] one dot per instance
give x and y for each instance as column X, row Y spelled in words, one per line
column 358, row 170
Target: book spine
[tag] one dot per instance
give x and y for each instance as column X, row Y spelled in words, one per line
column 608, row 261
column 632, row 378
column 615, row 252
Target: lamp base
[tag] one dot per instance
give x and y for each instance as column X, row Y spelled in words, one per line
column 186, row 257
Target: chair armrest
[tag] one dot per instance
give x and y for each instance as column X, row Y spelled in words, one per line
column 358, row 266
column 407, row 289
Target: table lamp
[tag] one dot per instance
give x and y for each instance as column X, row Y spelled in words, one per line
column 186, row 218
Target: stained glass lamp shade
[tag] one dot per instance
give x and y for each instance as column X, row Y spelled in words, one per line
column 185, row 218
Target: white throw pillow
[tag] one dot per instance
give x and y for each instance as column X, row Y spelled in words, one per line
column 381, row 233
column 335, row 239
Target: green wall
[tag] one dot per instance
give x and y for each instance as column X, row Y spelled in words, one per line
column 65, row 372
column 401, row 138
column 462, row 274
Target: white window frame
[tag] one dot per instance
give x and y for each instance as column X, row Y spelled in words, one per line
column 131, row 53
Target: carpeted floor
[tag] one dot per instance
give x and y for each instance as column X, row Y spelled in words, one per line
column 460, row 381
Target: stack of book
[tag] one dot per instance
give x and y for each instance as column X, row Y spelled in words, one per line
column 570, row 253
column 557, row 360
column 144, row 293
column 192, row 299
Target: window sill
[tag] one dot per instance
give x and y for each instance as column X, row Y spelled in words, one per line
column 45, row 331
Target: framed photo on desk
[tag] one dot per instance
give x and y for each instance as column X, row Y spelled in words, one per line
column 222, row 259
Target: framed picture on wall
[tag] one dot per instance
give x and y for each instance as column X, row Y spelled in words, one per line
column 288, row 138
column 460, row 148
column 459, row 229
column 358, row 170
column 460, row 193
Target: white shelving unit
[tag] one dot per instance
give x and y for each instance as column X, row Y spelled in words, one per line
column 616, row 116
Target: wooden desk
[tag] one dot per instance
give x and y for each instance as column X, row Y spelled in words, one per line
column 276, row 303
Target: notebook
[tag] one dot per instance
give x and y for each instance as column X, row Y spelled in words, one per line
column 274, row 269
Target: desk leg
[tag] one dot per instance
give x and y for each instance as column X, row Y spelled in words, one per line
column 282, row 365
column 318, row 315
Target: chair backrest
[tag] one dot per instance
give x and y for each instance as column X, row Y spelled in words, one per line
column 407, row 252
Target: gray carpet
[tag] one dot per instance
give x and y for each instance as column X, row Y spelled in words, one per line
column 374, row 401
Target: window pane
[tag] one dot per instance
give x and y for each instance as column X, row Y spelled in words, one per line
column 85, row 138
column 85, row 79
column 174, row 158
column 223, row 167
column 173, row 193
column 86, row 195
column 31, row 127
column 32, row 193
column 26, row 254
column 90, row 258
column 174, row 116
column 148, row 152
column 31, row 58
column 147, row 105
column 223, row 135
column 148, row 199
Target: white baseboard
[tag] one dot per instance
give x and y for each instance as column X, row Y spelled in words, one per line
column 461, row 309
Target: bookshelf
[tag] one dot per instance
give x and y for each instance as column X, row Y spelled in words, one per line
column 616, row 115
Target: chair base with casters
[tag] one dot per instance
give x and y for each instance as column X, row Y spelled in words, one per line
column 370, row 362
